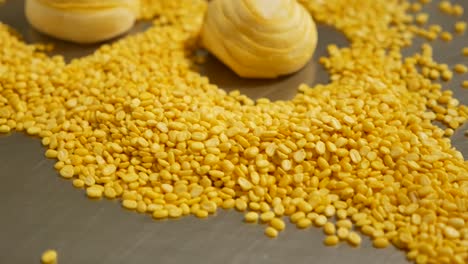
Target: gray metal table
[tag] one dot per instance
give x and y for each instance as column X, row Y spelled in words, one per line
column 40, row 210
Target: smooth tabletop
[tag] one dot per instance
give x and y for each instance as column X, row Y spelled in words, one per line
column 41, row 210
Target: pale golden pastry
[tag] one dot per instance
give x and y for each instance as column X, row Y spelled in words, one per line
column 82, row 21
column 260, row 38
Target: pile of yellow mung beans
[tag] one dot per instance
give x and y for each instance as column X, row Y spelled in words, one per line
column 359, row 155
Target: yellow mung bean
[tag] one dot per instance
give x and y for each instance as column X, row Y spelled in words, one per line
column 271, row 232
column 304, row 223
column 67, row 171
column 321, row 220
column 460, row 27
column 331, row 240
column 278, row 224
column 465, row 51
column 94, row 191
column 342, row 233
column 460, row 68
column 422, row 18
column 267, row 216
column 380, row 242
column 4, row 129
column 465, row 84
column 329, row 228
column 446, row 36
column 129, row 204
column 161, row 214
column 49, row 257
column 354, row 239
column 251, row 217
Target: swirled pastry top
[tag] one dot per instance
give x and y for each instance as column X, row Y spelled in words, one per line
column 260, row 38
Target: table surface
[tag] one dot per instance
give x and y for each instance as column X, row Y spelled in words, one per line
column 40, row 210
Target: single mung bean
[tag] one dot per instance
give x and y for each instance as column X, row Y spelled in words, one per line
column 380, row 242
column 342, row 233
column 354, row 239
column 251, row 217
column 329, row 228
column 49, row 257
column 271, row 232
column 320, row 220
column 331, row 240
column 278, row 224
